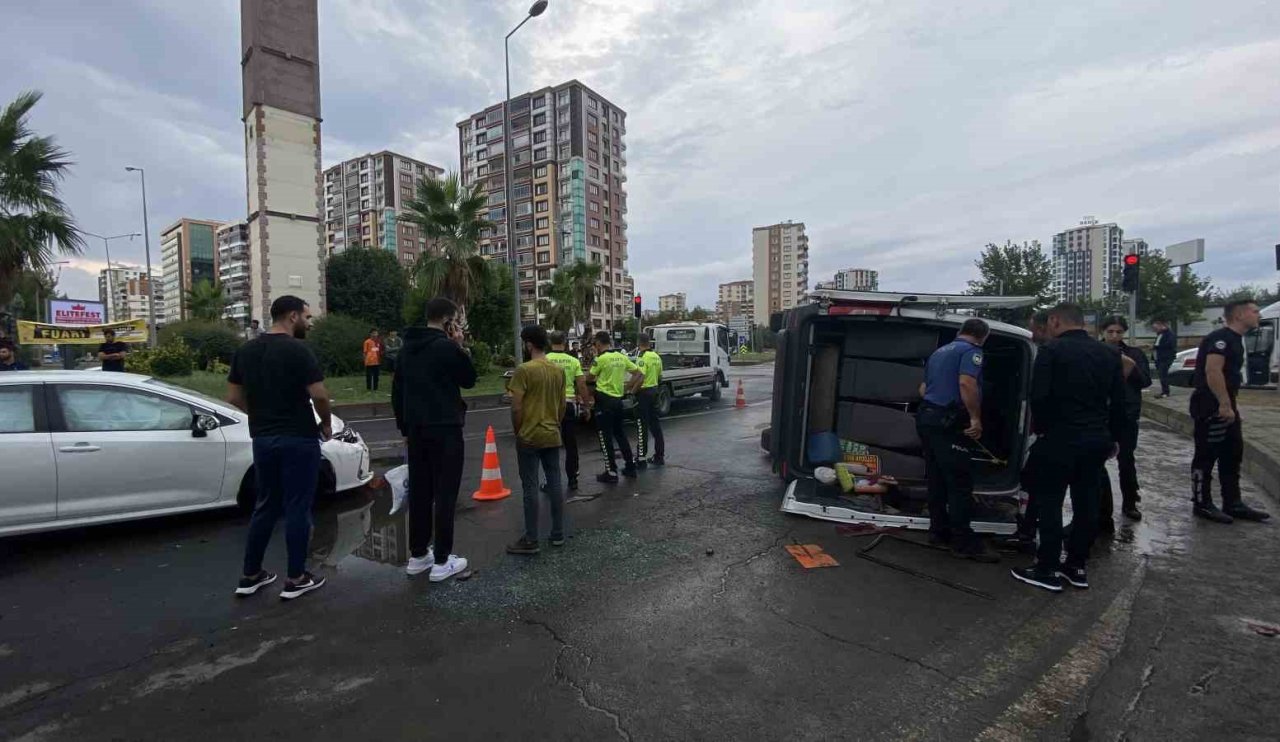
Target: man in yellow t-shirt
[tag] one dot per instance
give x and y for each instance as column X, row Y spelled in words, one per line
column 615, row 376
column 537, row 407
column 577, row 401
column 647, row 423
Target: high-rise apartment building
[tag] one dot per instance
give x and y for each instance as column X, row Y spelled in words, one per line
column 280, row 79
column 1087, row 261
column 233, row 271
column 737, row 299
column 569, row 201
column 857, row 279
column 126, row 293
column 187, row 257
column 363, row 199
column 780, row 267
column 677, row 302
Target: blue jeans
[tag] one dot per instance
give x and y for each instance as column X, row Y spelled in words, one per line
column 529, row 460
column 286, row 470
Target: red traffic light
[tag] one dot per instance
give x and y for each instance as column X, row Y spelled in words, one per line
column 1131, row 259
column 637, row 299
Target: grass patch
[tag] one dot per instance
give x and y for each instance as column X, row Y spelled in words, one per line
column 766, row 357
column 343, row 389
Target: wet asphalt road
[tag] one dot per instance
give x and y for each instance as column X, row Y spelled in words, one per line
column 672, row 613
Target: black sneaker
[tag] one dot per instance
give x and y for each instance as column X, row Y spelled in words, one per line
column 642, row 464
column 1036, row 578
column 573, row 483
column 607, row 477
column 939, row 538
column 524, row 546
column 975, row 552
column 1211, row 512
column 1075, row 576
column 556, row 541
column 250, row 585
column 1132, row 513
column 298, row 588
column 630, row 472
column 657, row 460
column 1240, row 511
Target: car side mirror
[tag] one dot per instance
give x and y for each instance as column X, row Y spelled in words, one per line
column 201, row 424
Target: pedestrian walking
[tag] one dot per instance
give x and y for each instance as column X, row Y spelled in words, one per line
column 1137, row 376
column 537, row 409
column 372, row 351
column 1077, row 408
column 949, row 418
column 615, row 375
column 577, row 404
column 9, row 360
column 112, row 352
column 1166, row 352
column 648, row 423
column 391, row 350
column 277, row 381
column 1219, row 436
column 426, row 396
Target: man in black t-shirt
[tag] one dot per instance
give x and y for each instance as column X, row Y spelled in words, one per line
column 111, row 352
column 276, row 379
column 1218, row 435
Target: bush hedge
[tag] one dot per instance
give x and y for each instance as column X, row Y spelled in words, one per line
column 338, row 340
column 482, row 358
column 210, row 342
column 171, row 359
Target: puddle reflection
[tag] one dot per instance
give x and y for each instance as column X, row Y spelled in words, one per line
column 358, row 524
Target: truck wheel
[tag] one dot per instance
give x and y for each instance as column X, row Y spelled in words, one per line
column 713, row 394
column 663, row 402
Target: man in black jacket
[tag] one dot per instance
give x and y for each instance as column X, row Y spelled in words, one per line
column 1137, row 376
column 426, row 395
column 1166, row 352
column 1077, row 408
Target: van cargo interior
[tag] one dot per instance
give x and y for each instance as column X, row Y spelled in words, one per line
column 865, row 375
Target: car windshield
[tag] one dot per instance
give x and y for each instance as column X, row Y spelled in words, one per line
column 190, row 392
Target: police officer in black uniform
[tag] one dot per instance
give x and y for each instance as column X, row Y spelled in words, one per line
column 949, row 418
column 1219, row 439
column 1077, row 408
column 1137, row 376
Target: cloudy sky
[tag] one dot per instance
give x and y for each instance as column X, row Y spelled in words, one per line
column 905, row 133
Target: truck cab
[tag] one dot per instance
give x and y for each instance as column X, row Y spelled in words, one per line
column 847, row 372
column 695, row 360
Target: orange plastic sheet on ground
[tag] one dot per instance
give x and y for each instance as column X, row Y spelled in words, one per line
column 811, row 556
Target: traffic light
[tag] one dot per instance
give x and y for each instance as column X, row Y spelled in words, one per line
column 636, row 306
column 1129, row 280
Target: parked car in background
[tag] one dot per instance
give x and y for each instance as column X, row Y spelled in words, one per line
column 1262, row 367
column 81, row 448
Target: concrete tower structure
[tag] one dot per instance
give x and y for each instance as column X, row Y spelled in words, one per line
column 280, row 73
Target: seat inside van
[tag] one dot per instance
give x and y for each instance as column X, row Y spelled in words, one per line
column 865, row 376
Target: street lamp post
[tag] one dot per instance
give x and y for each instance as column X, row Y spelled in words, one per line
column 111, row 290
column 146, row 236
column 534, row 10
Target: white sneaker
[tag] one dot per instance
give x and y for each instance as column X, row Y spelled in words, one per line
column 417, row 566
column 442, row 572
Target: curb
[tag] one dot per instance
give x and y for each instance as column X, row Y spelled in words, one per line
column 1258, row 464
column 356, row 411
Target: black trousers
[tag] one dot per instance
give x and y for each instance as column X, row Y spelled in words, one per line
column 1029, row 523
column 948, row 464
column 1068, row 462
column 371, row 374
column 610, row 430
column 648, row 425
column 569, row 435
column 1162, row 370
column 1221, row 443
column 435, row 474
column 1128, row 466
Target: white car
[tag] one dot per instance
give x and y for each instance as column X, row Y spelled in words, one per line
column 81, row 448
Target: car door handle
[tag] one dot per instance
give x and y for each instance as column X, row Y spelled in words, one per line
column 79, row 448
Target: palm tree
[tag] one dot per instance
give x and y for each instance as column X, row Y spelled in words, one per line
column 206, row 301
column 33, row 218
column 451, row 217
column 555, row 301
column 582, row 279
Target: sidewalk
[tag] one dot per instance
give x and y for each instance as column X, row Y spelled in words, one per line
column 1260, row 411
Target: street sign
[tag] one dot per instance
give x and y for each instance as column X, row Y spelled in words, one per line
column 1185, row 253
column 76, row 312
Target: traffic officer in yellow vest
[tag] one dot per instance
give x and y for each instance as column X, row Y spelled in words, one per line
column 577, row 402
column 647, row 423
column 615, row 376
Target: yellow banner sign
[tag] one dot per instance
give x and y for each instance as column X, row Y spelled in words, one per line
column 39, row 333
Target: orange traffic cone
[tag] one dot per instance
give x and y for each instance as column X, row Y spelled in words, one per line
column 741, row 401
column 491, row 486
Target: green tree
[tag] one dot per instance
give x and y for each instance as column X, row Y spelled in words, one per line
column 1163, row 295
column 336, row 341
column 33, row 218
column 206, row 301
column 1260, row 294
column 368, row 284
column 555, row 301
column 699, row 314
column 489, row 317
column 1014, row 270
column 451, row 217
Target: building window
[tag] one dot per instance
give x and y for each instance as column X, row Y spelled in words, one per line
column 540, row 189
column 595, row 223
column 539, row 119
column 543, row 206
column 543, row 223
column 540, row 153
column 595, row 173
column 591, row 137
column 539, row 102
column 592, row 121
column 593, row 206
